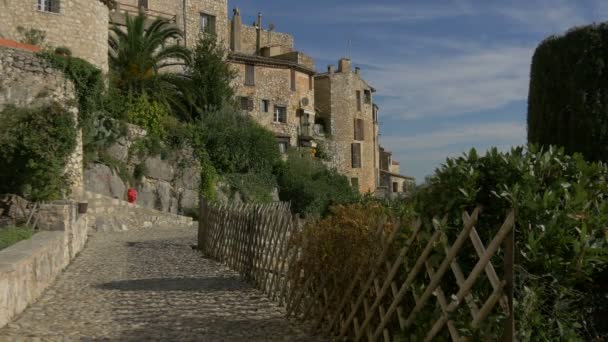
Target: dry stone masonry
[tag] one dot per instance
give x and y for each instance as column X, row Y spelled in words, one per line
column 80, row 25
column 29, row 81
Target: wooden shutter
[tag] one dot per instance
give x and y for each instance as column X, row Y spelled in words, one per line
column 359, row 129
column 356, row 155
column 249, row 75
column 293, row 80
column 358, row 100
column 250, row 104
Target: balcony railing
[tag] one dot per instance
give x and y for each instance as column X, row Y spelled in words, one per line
column 311, row 130
column 134, row 10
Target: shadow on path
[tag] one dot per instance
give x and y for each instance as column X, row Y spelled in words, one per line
column 175, row 284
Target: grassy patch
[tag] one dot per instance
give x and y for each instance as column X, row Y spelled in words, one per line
column 11, row 235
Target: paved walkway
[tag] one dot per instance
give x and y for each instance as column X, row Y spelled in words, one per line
column 149, row 285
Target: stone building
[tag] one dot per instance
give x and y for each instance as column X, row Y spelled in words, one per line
column 80, row 25
column 392, row 183
column 274, row 83
column 193, row 17
column 347, row 111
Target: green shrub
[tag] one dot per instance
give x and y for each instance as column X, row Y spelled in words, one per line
column 568, row 98
column 210, row 79
column 235, row 143
column 32, row 36
column 561, row 219
column 11, row 235
column 255, row 187
column 148, row 114
column 36, row 144
column 311, row 187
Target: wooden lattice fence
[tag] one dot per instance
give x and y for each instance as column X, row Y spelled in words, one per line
column 409, row 279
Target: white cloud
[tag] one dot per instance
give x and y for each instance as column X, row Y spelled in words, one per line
column 452, row 85
column 498, row 132
column 412, row 12
column 419, row 154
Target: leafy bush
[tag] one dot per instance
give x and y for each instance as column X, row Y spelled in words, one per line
column 148, row 114
column 311, row 187
column 561, row 220
column 235, row 143
column 568, row 98
column 31, row 36
column 346, row 240
column 11, row 235
column 255, row 187
column 36, row 144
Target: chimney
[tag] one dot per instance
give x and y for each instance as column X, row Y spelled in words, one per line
column 344, row 65
column 357, row 70
column 330, row 69
column 235, row 32
column 258, row 41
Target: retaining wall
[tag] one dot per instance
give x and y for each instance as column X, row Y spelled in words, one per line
column 30, row 266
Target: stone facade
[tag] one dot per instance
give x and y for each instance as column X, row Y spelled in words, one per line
column 249, row 36
column 80, row 25
column 188, row 19
column 29, row 267
column 345, row 104
column 272, row 83
column 28, row 81
column 392, row 183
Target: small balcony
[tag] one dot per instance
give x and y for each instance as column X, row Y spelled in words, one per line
column 118, row 15
column 311, row 130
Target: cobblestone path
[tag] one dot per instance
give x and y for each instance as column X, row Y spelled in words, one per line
column 149, row 285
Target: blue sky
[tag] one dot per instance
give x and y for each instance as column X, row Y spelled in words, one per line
column 450, row 74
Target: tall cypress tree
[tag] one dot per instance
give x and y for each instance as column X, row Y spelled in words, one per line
column 568, row 99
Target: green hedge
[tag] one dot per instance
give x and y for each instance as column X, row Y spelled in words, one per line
column 311, row 187
column 36, row 144
column 561, row 237
column 568, row 100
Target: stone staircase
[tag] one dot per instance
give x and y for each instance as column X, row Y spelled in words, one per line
column 108, row 214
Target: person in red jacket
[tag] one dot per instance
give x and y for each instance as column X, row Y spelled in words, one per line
column 132, row 195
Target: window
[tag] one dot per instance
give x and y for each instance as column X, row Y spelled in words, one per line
column 48, row 6
column 280, row 114
column 246, row 103
column 293, row 80
column 283, row 145
column 249, row 75
column 395, row 187
column 207, row 23
column 356, row 155
column 359, row 129
column 310, row 82
column 368, row 96
column 358, row 100
column 265, row 106
column 143, row 4
column 354, row 182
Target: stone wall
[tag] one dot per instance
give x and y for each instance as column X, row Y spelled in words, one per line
column 249, row 38
column 170, row 185
column 335, row 96
column 80, row 25
column 273, row 83
column 29, row 267
column 28, row 81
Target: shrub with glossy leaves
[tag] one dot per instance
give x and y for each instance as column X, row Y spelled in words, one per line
column 561, row 208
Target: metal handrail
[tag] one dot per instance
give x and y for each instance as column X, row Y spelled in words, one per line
column 126, row 8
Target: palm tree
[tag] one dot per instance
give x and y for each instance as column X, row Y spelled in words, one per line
column 139, row 53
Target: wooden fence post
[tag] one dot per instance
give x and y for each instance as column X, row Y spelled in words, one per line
column 509, row 324
column 202, row 225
